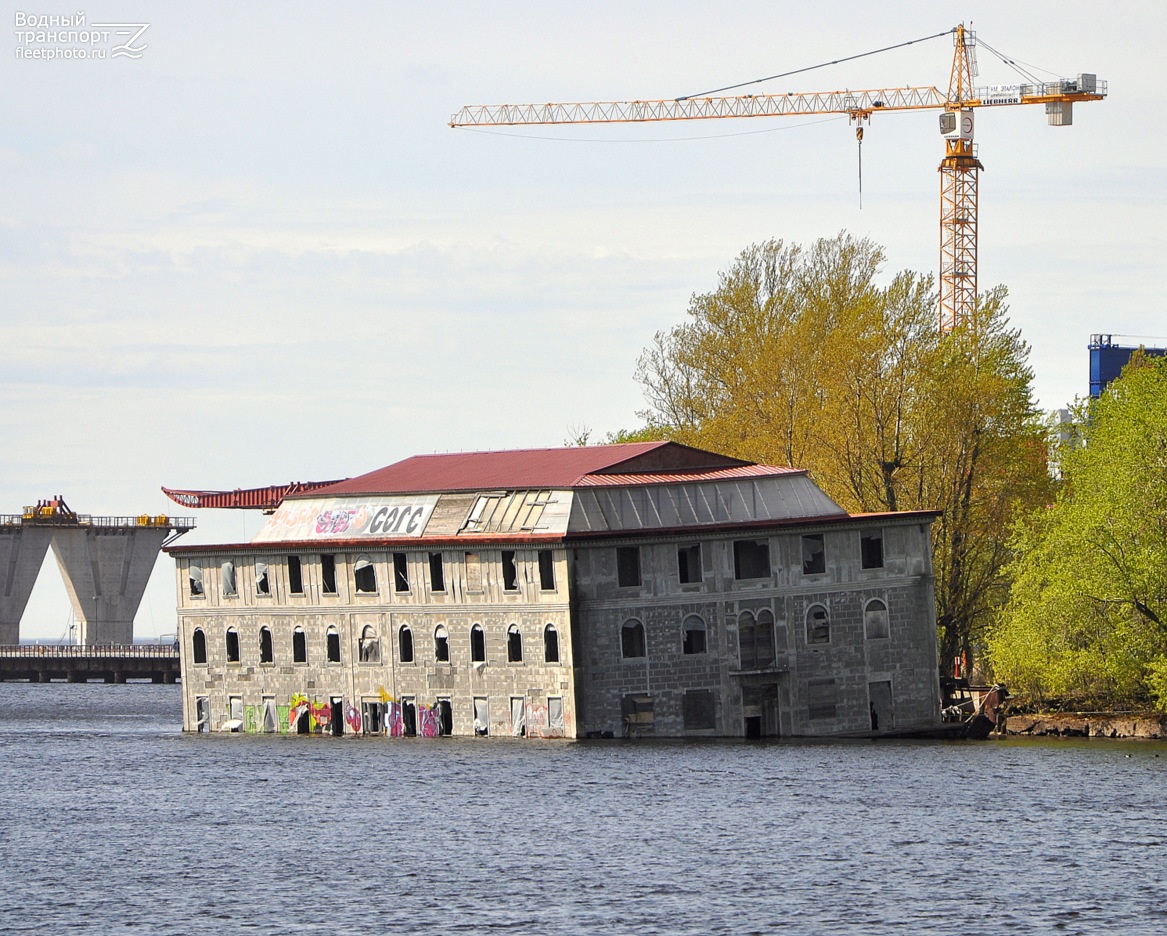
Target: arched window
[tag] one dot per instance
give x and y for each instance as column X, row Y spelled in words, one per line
column 405, row 644
column 333, row 645
column 266, row 653
column 694, row 635
column 550, row 644
column 365, row 576
column 262, row 582
column 632, row 639
column 195, row 573
column 441, row 644
column 477, row 644
column 232, row 642
column 875, row 619
column 370, row 646
column 514, row 644
column 227, row 579
column 199, row 645
column 755, row 636
column 299, row 646
column 818, row 625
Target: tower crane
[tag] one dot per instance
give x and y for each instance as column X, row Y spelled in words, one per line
column 959, row 169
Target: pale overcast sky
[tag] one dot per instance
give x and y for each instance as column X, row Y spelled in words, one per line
column 257, row 253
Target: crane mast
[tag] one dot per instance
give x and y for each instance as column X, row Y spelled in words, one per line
column 959, row 169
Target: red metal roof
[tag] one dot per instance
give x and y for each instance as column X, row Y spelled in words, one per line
column 715, row 474
column 537, row 468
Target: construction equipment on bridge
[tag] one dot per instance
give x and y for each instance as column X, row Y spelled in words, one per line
column 959, row 169
column 266, row 499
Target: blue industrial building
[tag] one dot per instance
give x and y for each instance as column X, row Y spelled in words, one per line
column 1107, row 360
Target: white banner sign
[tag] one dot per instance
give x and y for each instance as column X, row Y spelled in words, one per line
column 348, row 518
column 1002, row 94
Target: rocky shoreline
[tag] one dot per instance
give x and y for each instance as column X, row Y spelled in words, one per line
column 1088, row 725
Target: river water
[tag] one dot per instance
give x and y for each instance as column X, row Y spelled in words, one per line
column 111, row 819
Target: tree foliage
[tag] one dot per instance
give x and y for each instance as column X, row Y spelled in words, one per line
column 1087, row 616
column 801, row 357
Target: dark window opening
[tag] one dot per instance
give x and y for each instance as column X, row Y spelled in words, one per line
column 628, row 566
column 546, row 570
column 818, row 626
column 441, row 645
column 195, row 574
column 299, row 646
column 694, row 641
column 751, row 559
column 405, row 645
column 550, row 644
column 365, row 576
column 400, row 572
column 871, row 549
column 514, row 644
column 510, row 572
column 756, row 640
column 266, row 653
column 445, row 717
column 408, row 718
column 333, row 645
column 328, row 574
column 689, row 564
column 814, row 556
column 437, row 573
column 369, row 647
column 232, row 646
column 199, row 645
column 295, row 576
column 632, row 640
column 477, row 644
column 698, row 710
column 262, row 582
column 875, row 620
column 637, row 714
column 820, row 698
column 372, row 717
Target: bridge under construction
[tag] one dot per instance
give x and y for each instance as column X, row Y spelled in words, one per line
column 104, row 561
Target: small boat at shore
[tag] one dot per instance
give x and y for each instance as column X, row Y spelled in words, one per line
column 974, row 710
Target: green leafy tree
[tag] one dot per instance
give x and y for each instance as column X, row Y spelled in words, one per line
column 801, row 357
column 1087, row 615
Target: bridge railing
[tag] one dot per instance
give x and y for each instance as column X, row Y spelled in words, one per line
column 86, row 520
column 57, row 651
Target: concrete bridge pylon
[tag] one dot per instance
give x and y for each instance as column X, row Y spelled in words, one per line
column 106, row 571
column 22, row 552
column 105, row 562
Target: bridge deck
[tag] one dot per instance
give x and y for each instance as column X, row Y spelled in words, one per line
column 116, row 664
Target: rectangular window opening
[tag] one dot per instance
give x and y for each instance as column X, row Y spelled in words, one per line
column 328, row 574
column 510, row 571
column 628, row 566
column 295, row 576
column 814, row 556
column 751, row 559
column 546, row 570
column 400, row 572
column 437, row 573
column 689, row 564
column 871, row 550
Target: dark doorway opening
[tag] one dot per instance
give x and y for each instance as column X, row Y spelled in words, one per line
column 753, row 727
column 336, row 716
column 409, row 719
column 445, row 717
column 302, row 723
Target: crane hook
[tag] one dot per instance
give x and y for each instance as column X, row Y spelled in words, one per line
column 859, row 138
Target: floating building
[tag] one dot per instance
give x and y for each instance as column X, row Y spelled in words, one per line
column 645, row 589
column 104, row 561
